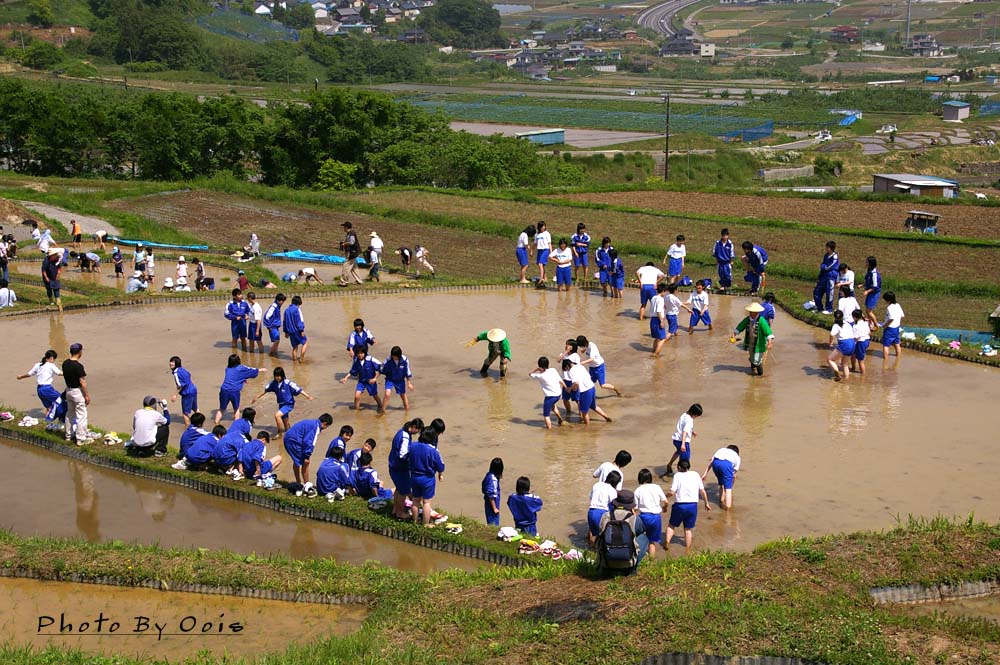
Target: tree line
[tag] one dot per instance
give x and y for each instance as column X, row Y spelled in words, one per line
column 81, row 131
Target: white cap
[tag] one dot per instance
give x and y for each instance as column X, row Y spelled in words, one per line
column 180, row 259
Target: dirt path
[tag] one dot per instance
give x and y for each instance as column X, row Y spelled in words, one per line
column 90, row 225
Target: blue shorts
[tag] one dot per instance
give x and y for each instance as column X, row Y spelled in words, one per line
column 365, row 387
column 656, row 330
column 274, row 334
column 672, row 324
column 697, row 316
column 398, row 386
column 543, row 257
column 685, row 455
column 683, row 513
column 724, row 472
column 522, row 256
column 239, row 329
column 570, row 395
column 594, row 516
column 619, row 282
column 227, row 397
column 297, row 339
column 675, row 266
column 266, row 467
column 255, row 331
column 588, row 400
column 890, row 336
column 604, row 276
column 871, row 300
column 285, row 409
column 654, row 526
column 861, row 349
column 422, row 487
column 846, row 347
column 297, row 454
column 189, row 403
column 492, row 518
column 48, row 395
column 581, row 260
column 646, row 294
column 564, row 275
column 598, row 374
column 549, row 404
column 401, row 479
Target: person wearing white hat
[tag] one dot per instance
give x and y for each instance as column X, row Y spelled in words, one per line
column 137, row 282
column 182, row 285
column 375, row 247
column 51, row 269
column 758, row 339
column 182, row 268
column 168, row 284
column 499, row 347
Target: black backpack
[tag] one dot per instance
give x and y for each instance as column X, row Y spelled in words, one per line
column 616, row 544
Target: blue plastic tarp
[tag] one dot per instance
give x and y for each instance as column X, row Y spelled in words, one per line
column 300, row 255
column 849, row 120
column 146, row 243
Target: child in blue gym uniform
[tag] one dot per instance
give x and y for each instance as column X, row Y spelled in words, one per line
column 829, row 271
column 617, row 271
column 725, row 463
column 524, row 507
column 365, row 479
column 425, row 464
column 724, row 254
column 524, row 250
column 768, row 305
column 253, row 458
column 601, row 495
column 652, row 503
column 581, row 249
column 294, row 326
column 237, row 374
column 193, row 432
column 683, row 436
column 366, row 370
column 603, row 261
column 244, row 424
column 755, row 259
column 674, row 259
column 396, row 370
column 238, row 313
column 873, row 288
column 285, row 390
column 698, row 302
column 342, row 439
column 272, row 321
column 332, row 479
column 199, row 453
column 300, row 441
column 491, row 491
column 563, row 258
column 353, row 456
column 226, row 453
column 186, row 390
column 399, row 465
column 360, row 336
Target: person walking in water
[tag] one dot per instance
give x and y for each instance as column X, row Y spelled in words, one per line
column 758, row 339
column 499, row 347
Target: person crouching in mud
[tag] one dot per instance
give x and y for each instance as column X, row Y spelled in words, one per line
column 758, row 338
column 499, row 347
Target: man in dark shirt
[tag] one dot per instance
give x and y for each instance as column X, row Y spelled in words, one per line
column 350, row 247
column 51, row 267
column 77, row 396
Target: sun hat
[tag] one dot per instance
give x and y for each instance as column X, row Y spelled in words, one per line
column 754, row 307
column 180, row 259
column 168, row 282
column 53, row 251
column 137, row 273
column 625, row 499
column 496, row 335
column 182, row 281
column 240, row 272
column 373, row 234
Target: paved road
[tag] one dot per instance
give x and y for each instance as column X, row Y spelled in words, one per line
column 659, row 16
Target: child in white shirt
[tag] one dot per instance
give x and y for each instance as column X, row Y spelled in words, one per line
column 552, row 389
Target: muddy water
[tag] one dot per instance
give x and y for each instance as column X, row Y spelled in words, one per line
column 68, row 615
column 50, row 495
column 986, row 607
column 106, row 277
column 819, row 457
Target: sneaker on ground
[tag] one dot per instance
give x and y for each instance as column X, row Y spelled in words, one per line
column 159, row 453
column 180, row 465
column 237, row 475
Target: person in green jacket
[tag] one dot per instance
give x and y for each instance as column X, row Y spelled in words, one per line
column 499, row 347
column 758, row 338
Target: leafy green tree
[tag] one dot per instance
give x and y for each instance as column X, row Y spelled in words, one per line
column 787, row 44
column 301, row 17
column 41, row 55
column 334, row 175
column 463, row 23
column 40, row 13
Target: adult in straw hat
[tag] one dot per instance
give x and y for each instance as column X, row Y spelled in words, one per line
column 758, row 338
column 499, row 347
column 51, row 270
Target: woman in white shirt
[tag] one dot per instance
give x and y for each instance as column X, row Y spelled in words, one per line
column 523, row 250
column 893, row 319
column 842, row 341
column 543, row 245
column 44, row 371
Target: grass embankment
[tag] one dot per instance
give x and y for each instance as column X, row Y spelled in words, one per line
column 805, row 598
column 351, row 512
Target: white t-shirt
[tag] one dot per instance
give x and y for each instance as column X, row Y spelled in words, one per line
column 256, row 312
column 601, row 495
column 563, row 257
column 44, row 373
column 657, row 306
column 894, row 315
column 543, row 240
column 649, row 275
column 601, row 473
column 842, row 332
column 182, row 270
column 150, row 263
column 144, row 426
column 579, row 375
column 377, row 245
column 649, row 498
column 862, row 330
column 698, row 301
column 686, row 486
column 421, row 253
column 847, row 279
column 522, row 240
column 551, row 383
column 672, row 304
column 728, row 455
column 685, row 424
column 595, row 355
column 847, row 306
column 308, row 272
column 677, row 251
column 575, row 357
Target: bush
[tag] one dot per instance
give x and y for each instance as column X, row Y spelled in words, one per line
column 335, row 175
column 146, row 67
column 41, row 55
column 824, row 166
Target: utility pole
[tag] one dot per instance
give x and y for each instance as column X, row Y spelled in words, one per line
column 907, row 42
column 666, row 140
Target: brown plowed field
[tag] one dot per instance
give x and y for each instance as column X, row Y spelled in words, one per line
column 969, row 221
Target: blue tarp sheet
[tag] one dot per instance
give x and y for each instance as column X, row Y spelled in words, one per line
column 300, row 255
column 123, row 241
column 849, row 120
